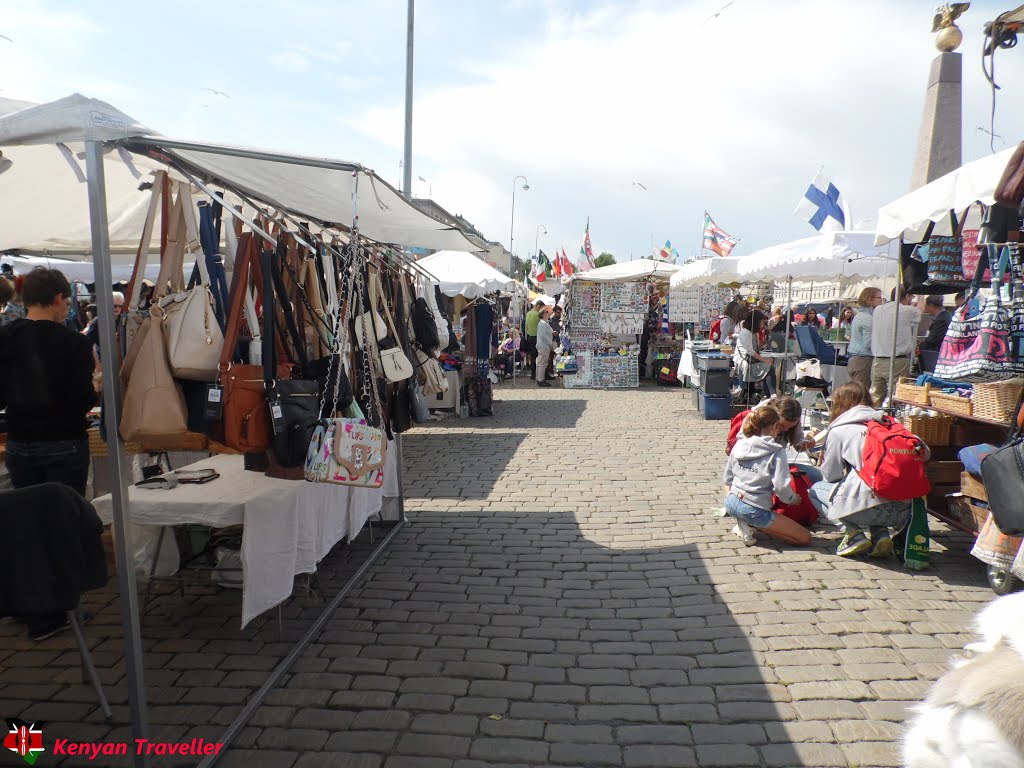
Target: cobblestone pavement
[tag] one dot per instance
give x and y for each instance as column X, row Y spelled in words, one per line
column 562, row 597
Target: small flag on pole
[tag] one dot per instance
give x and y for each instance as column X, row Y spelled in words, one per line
column 822, row 206
column 567, row 269
column 545, row 264
column 587, row 250
column 667, row 253
column 537, row 272
column 717, row 239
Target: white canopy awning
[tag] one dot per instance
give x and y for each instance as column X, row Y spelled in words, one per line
column 958, row 190
column 459, row 273
column 82, row 271
column 718, row 270
column 839, row 256
column 45, row 205
column 629, row 271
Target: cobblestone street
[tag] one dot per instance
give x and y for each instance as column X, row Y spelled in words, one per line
column 562, row 597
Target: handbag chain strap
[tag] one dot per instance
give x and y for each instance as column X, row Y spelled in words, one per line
column 340, row 336
column 369, row 386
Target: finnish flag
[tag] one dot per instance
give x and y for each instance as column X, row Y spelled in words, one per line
column 822, row 206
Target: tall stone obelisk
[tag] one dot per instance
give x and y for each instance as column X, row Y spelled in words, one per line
column 939, row 142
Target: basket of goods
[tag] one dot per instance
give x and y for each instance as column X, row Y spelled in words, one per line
column 955, row 405
column 997, row 400
column 933, row 428
column 908, row 391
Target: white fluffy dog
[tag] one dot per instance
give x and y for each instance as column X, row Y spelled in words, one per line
column 973, row 717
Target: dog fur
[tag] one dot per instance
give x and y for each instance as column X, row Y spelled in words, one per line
column 973, row 717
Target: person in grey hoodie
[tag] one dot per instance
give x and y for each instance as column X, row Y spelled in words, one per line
column 842, row 495
column 757, row 469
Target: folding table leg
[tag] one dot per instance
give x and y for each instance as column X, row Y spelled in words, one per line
column 87, row 665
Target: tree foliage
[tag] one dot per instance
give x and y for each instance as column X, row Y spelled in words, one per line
column 604, row 260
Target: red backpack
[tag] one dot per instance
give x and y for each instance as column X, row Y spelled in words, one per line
column 734, row 430
column 804, row 512
column 894, row 461
column 715, row 334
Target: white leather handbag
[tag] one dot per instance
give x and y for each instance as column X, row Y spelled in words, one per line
column 394, row 363
column 194, row 337
column 370, row 325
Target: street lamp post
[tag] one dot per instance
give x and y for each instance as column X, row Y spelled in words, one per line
column 512, row 226
column 536, row 241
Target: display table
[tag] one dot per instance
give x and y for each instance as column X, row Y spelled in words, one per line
column 289, row 526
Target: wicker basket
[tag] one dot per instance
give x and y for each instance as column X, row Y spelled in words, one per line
column 99, row 448
column 909, row 392
column 996, row 400
column 934, row 430
column 951, row 404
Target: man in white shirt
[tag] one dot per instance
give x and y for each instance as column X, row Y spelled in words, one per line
column 883, row 320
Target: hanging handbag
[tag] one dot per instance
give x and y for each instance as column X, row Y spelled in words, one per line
column 133, row 311
column 395, row 365
column 209, row 237
column 194, row 337
column 346, row 450
column 370, row 326
column 154, row 408
column 430, row 374
column 978, row 349
column 293, row 403
column 1002, row 472
column 244, row 393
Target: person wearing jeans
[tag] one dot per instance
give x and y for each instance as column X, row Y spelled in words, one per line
column 48, row 386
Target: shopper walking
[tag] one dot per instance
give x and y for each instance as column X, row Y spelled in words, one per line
column 885, row 355
column 48, row 387
column 545, row 346
column 530, row 342
column 859, row 350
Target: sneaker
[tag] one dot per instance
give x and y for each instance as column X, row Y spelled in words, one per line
column 881, row 541
column 745, row 532
column 543, row 384
column 854, row 543
column 719, row 512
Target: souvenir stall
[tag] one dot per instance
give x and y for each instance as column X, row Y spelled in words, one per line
column 295, row 375
column 969, row 410
column 615, row 315
column 474, row 286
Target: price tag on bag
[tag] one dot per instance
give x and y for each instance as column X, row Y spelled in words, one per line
column 277, row 416
column 214, row 404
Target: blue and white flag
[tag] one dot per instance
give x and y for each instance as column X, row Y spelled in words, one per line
column 822, row 206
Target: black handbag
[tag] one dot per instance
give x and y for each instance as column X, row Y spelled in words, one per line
column 294, row 403
column 1002, row 471
column 401, row 408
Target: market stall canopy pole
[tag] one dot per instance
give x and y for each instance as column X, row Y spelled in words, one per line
column 134, row 665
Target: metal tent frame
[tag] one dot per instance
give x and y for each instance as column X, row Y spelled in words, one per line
column 162, row 150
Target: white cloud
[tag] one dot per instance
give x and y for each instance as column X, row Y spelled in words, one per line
column 290, row 61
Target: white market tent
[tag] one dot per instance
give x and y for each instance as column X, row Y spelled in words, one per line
column 79, row 271
column 842, row 256
column 718, row 270
column 910, row 216
column 459, row 273
column 629, row 271
column 53, row 201
column 319, row 188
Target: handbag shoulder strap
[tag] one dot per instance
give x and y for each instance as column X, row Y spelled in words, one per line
column 192, row 246
column 239, row 288
column 171, row 260
column 142, row 254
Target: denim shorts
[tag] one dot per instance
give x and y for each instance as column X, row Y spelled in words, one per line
column 751, row 515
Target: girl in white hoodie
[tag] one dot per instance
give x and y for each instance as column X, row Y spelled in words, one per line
column 757, row 469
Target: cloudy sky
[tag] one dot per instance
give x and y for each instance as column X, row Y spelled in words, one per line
column 733, row 114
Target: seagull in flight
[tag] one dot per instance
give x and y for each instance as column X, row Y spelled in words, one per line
column 5, row 37
column 638, row 184
column 217, row 93
column 993, row 135
column 718, row 13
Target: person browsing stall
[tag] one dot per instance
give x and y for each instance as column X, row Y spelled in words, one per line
column 858, row 353
column 47, row 386
column 756, row 471
column 748, row 350
column 530, row 342
column 545, row 346
column 883, row 321
column 941, row 318
column 841, row 494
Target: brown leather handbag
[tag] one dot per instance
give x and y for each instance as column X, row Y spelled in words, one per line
column 1010, row 189
column 246, row 417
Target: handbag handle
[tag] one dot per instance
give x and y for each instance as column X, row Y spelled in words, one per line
column 239, row 289
column 142, row 254
column 171, row 279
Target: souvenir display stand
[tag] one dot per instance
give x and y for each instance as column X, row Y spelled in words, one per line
column 293, row 259
column 972, row 404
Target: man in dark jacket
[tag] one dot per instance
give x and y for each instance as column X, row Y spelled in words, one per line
column 940, row 323
column 47, row 386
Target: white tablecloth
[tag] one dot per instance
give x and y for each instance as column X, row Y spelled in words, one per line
column 290, row 526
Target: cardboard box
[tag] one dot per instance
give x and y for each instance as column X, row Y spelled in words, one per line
column 972, row 487
column 451, row 398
